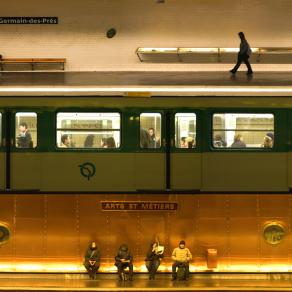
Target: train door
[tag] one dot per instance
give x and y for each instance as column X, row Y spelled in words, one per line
column 150, row 158
column 288, row 142
column 185, row 158
column 2, row 152
column 24, row 158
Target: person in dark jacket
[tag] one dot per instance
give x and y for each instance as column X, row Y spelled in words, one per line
column 154, row 142
column 144, row 138
column 92, row 260
column 238, row 142
column 153, row 257
column 123, row 260
column 243, row 55
column 24, row 139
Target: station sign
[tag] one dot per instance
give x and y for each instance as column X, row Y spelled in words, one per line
column 157, row 206
column 29, row 20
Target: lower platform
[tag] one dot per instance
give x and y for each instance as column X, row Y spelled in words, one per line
column 110, row 282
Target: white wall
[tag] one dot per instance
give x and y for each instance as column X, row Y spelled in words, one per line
column 80, row 34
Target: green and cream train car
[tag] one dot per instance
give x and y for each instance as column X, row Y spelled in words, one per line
column 139, row 145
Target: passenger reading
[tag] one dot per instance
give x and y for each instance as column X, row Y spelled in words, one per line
column 138, row 206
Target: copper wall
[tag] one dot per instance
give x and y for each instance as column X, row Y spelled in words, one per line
column 57, row 229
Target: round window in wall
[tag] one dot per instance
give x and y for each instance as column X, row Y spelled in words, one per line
column 4, row 232
column 274, row 232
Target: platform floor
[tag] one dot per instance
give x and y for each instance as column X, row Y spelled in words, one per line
column 196, row 83
column 153, row 78
column 198, row 282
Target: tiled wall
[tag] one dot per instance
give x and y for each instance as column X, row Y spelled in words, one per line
column 80, row 35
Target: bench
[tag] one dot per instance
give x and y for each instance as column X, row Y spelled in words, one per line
column 213, row 55
column 32, row 62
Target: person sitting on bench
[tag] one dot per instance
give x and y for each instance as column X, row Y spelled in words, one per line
column 123, row 260
column 181, row 256
column 92, row 260
column 153, row 257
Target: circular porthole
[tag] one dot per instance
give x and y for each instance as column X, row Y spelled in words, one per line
column 274, row 232
column 111, row 33
column 4, row 232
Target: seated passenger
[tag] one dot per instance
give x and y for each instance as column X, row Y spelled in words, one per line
column 89, row 141
column 123, row 260
column 153, row 141
column 268, row 142
column 108, row 142
column 190, row 142
column 183, row 142
column 111, row 142
column 92, row 260
column 238, row 142
column 271, row 135
column 24, row 140
column 153, row 257
column 181, row 256
column 144, row 138
column 219, row 142
column 65, row 141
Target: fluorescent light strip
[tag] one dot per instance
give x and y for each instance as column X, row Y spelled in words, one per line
column 108, row 268
column 184, row 89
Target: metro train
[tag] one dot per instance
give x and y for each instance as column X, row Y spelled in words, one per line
column 214, row 171
column 104, row 150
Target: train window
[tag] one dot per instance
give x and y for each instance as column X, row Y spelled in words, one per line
column 150, row 130
column 25, row 130
column 238, row 130
column 88, row 130
column 185, row 130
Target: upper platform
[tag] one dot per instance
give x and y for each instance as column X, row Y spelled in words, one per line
column 138, row 83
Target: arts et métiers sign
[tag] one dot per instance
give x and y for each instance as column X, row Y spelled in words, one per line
column 29, row 20
column 138, row 206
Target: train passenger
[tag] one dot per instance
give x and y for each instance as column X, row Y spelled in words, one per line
column 268, row 142
column 238, row 142
column 108, row 142
column 271, row 135
column 89, row 141
column 219, row 142
column 24, row 139
column 183, row 142
column 123, row 260
column 190, row 142
column 154, row 142
column 181, row 256
column 92, row 260
column 65, row 141
column 111, row 142
column 153, row 257
column 144, row 138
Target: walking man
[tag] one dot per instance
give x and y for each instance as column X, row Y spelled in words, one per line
column 243, row 55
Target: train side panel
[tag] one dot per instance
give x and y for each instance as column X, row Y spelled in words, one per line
column 239, row 171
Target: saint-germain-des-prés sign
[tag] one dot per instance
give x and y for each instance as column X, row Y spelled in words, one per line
column 29, row 20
